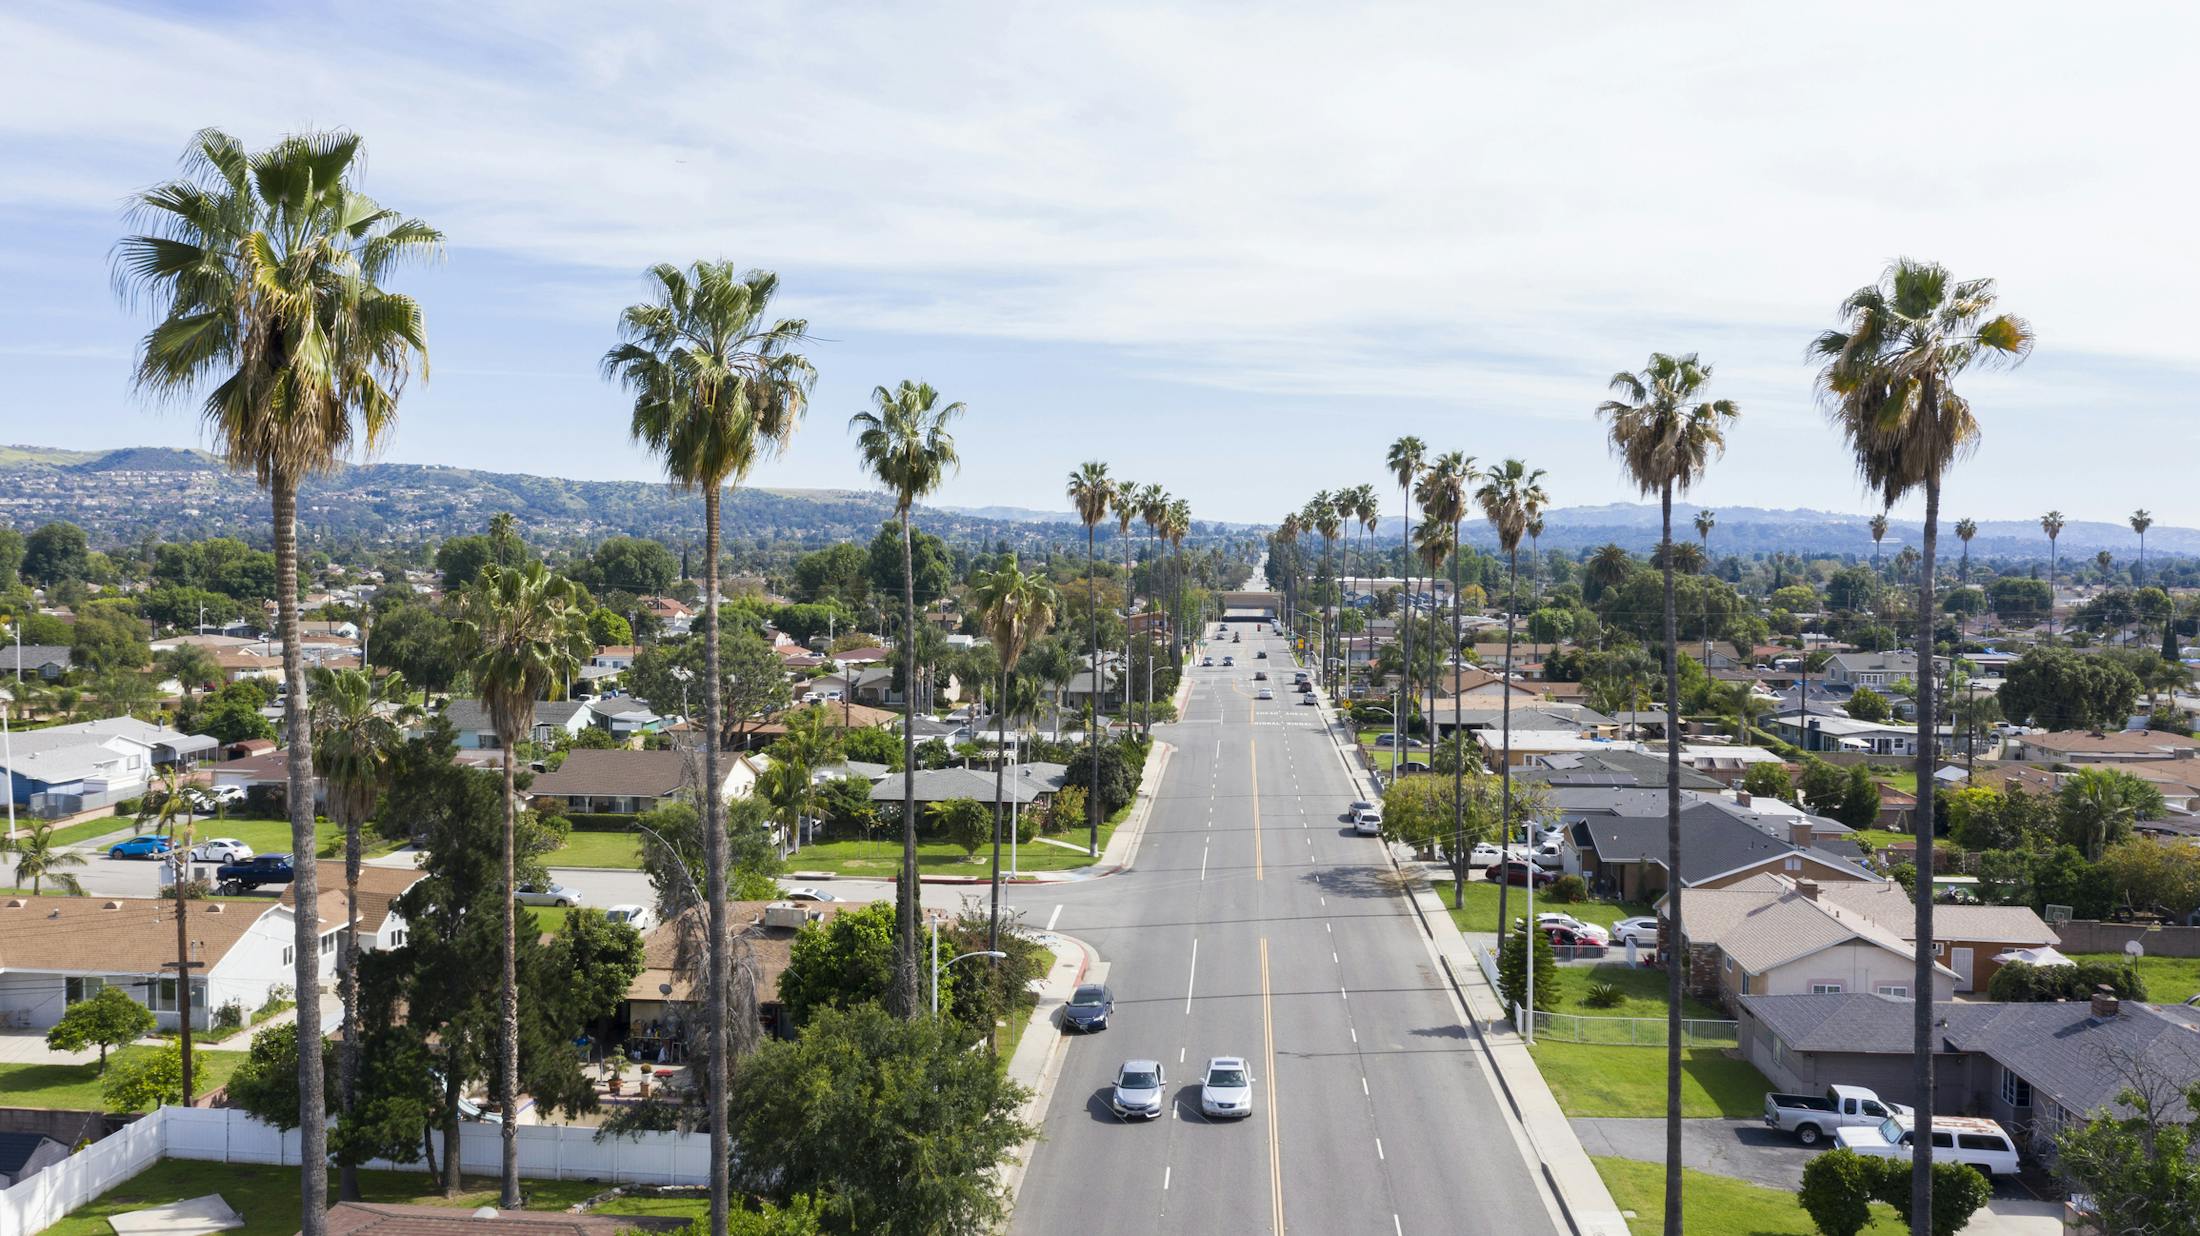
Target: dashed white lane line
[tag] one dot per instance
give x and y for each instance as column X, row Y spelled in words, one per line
column 1397, row 1227
column 1180, row 1059
column 1363, row 1081
column 1165, row 1179
column 1052, row 917
column 1191, row 976
column 1378, row 1151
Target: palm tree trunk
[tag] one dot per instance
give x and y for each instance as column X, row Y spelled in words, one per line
column 1921, row 1002
column 1669, row 942
column 906, row 904
column 717, row 1045
column 305, row 883
column 347, row 990
column 1405, row 640
column 1000, row 783
column 1505, row 772
column 1092, row 695
column 1459, row 768
column 508, row 992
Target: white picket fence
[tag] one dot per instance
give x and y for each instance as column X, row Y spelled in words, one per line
column 225, row 1135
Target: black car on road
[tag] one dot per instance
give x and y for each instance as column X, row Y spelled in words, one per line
column 1089, row 1008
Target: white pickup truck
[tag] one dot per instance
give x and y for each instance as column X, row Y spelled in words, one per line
column 1956, row 1139
column 1810, row 1117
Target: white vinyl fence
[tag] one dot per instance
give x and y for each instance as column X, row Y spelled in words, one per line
column 225, row 1135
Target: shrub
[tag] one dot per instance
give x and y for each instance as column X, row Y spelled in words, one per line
column 229, row 1016
column 1958, row 1191
column 1837, row 1192
column 1512, row 978
column 1604, row 996
column 129, row 806
column 598, row 821
column 1569, row 888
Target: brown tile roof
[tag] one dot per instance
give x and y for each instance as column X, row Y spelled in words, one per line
column 267, row 766
column 616, row 774
column 854, row 716
column 771, row 947
column 2028, row 777
column 2122, row 742
column 379, row 1219
column 378, row 887
column 122, row 935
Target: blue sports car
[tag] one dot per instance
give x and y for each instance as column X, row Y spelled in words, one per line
column 148, row 846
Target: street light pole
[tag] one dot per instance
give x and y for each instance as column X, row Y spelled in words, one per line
column 937, row 967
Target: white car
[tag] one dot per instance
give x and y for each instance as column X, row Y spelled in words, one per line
column 809, row 894
column 1956, row 1139
column 550, row 894
column 640, row 918
column 1484, row 854
column 1591, row 930
column 1265, row 694
column 1642, row 931
column 223, row 795
column 220, row 850
column 1227, row 1088
column 1367, row 819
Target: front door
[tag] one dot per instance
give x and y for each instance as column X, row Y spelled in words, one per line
column 1959, row 960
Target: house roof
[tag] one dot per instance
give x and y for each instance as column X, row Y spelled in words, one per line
column 270, row 767
column 2154, row 743
column 618, row 773
column 120, row 935
column 1715, row 842
column 770, row 947
column 1764, row 927
column 379, row 887
column 34, row 657
column 16, row 1149
column 1889, row 905
column 472, row 716
column 935, row 785
column 1883, row 662
column 1609, row 767
column 1542, row 715
column 620, row 706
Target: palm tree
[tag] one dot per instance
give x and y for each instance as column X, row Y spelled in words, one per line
column 1609, row 567
column 905, row 442
column 1510, row 495
column 1175, row 527
column 1290, row 530
column 1404, row 462
column 1442, row 493
column 1889, row 384
column 266, row 270
column 2051, row 524
column 358, row 725
column 717, row 385
column 1123, row 505
column 39, row 858
column 1153, row 511
column 1965, row 530
column 2141, row 520
column 1368, row 509
column 529, row 632
column 1665, row 434
column 1329, row 521
column 1879, row 533
column 1092, row 492
column 2104, row 562
column 1014, row 607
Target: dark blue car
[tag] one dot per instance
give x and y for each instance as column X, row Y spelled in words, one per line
column 1089, row 1008
column 148, row 846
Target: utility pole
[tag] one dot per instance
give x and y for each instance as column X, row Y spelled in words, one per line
column 183, row 963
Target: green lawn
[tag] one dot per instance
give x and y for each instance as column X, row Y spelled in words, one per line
column 1480, row 910
column 882, row 855
column 2169, row 980
column 1905, row 781
column 1717, row 1205
column 1592, row 1080
column 1880, row 838
column 76, row 1086
column 267, row 1197
column 264, row 836
column 597, row 849
column 1643, row 987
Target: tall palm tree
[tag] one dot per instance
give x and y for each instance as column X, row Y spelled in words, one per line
column 1965, row 530
column 1290, row 530
column 2141, row 520
column 905, row 442
column 1123, row 505
column 1175, row 527
column 1510, row 495
column 1665, row 434
column 39, row 858
column 717, row 385
column 1706, row 520
column 1442, row 493
column 529, row 631
column 1153, row 511
column 1879, row 533
column 1888, row 382
column 1092, row 492
column 1367, row 507
column 1404, row 462
column 1328, row 521
column 1015, row 607
column 266, row 272
column 1609, row 567
column 358, row 725
column 2051, row 524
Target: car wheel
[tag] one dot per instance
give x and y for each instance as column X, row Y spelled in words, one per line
column 565, row 905
column 1807, row 1134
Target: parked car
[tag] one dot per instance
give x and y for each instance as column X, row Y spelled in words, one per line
column 1574, row 945
column 1811, row 1118
column 1641, row 931
column 551, row 893
column 220, row 850
column 224, row 795
column 1484, row 854
column 1556, row 918
column 1089, row 1008
column 1226, row 1089
column 1139, row 1086
column 809, row 894
column 1956, row 1139
column 640, row 918
column 256, row 872
column 1367, row 819
column 1515, row 872
column 1416, row 766
column 148, row 846
column 1391, row 740
column 1309, row 698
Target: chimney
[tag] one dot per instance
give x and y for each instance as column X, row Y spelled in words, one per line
column 1808, row 888
column 1741, row 798
column 2105, row 1004
column 1800, row 834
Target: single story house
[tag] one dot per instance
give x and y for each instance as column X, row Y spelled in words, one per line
column 613, row 657
column 1625, row 854
column 2098, row 747
column 1724, row 763
column 23, row 1155
column 1768, row 936
column 43, row 661
column 1876, row 670
column 673, row 618
column 872, row 685
column 626, row 782
column 1609, row 766
column 266, row 774
column 1824, row 729
column 623, row 716
column 64, row 769
column 1967, row 938
column 381, row 926
column 939, row 785
column 665, row 992
column 477, row 731
column 64, row 949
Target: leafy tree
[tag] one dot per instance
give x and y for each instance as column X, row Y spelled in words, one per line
column 2019, row 601
column 894, row 1125
column 1512, row 974
column 2021, row 982
column 629, row 564
column 1769, row 781
column 2062, row 876
column 935, row 571
column 11, row 558
column 2099, row 806
column 108, row 636
column 145, row 1081
column 1869, row 705
column 40, row 857
column 962, row 821
column 232, row 714
column 1796, row 598
column 55, row 553
column 266, row 1084
column 752, row 682
column 606, row 627
column 801, row 1217
column 460, row 559
column 1958, row 1191
column 2064, row 690
column 1837, row 1192
column 843, row 962
column 1853, row 588
column 2148, row 873
column 596, row 961
column 1975, row 819
column 871, row 745
column 110, row 1018
column 844, row 804
column 2137, row 1161
column 1859, row 799
column 839, row 573
column 1823, row 785
column 419, row 643
column 1417, row 810
column 1118, row 778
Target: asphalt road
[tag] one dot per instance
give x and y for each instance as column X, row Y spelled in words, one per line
column 1254, row 923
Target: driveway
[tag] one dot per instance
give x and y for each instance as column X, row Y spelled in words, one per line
column 1743, row 1149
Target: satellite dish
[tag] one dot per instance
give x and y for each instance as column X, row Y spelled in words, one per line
column 2132, row 948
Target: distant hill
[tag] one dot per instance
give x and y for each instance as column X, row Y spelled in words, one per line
column 151, row 459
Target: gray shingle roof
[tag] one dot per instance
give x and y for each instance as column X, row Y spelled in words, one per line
column 1713, row 841
column 35, row 657
column 618, row 774
column 1610, row 768
column 472, row 717
column 936, row 785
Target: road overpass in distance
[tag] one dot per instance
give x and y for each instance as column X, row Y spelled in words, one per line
column 1252, row 606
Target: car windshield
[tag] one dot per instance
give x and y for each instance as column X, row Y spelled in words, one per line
column 1226, row 1078
column 1087, row 997
column 1137, row 1079
column 1891, row 1129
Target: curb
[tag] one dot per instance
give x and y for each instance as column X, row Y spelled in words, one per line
column 1042, row 1090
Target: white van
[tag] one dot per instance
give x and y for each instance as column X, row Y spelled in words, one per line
column 1956, row 1139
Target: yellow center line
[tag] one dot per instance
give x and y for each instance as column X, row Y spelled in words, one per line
column 1275, row 1144
column 1252, row 759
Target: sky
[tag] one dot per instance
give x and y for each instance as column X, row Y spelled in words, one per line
column 1234, row 250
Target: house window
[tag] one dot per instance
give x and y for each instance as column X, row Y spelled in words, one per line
column 2015, row 1091
column 80, row 989
column 1825, row 989
column 328, row 943
column 1900, row 991
column 1793, row 864
column 164, row 995
column 290, row 955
